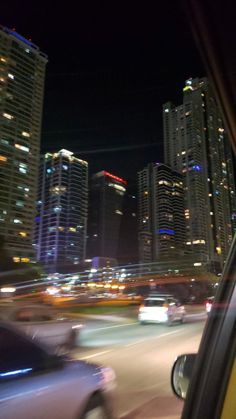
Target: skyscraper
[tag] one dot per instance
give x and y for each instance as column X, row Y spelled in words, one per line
column 22, row 73
column 196, row 144
column 61, row 222
column 105, row 212
column 160, row 213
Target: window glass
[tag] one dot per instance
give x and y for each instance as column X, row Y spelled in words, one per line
column 153, row 303
column 18, row 356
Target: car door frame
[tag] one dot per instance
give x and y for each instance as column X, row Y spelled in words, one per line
column 208, row 386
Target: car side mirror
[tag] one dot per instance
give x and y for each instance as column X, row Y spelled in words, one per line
column 181, row 374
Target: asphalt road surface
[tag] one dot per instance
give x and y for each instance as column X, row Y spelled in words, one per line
column 142, row 357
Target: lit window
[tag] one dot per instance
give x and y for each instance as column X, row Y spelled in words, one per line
column 199, row 242
column 119, row 212
column 22, row 147
column 3, row 158
column 57, row 190
column 2, row 79
column 17, row 221
column 166, row 110
column 7, row 115
column 25, row 260
column 72, row 229
column 25, row 134
column 16, row 259
column 57, row 209
column 3, row 60
column 65, row 167
column 183, row 152
column 22, row 234
column 118, row 187
column 61, row 228
column 11, row 76
column 22, row 170
column 20, row 204
column 27, row 50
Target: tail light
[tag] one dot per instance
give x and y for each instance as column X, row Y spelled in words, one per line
column 208, row 307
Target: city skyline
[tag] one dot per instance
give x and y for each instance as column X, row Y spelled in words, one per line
column 107, row 93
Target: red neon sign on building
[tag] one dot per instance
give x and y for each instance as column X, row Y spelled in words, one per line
column 118, row 179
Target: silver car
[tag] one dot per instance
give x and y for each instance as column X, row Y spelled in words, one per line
column 35, row 383
column 43, row 324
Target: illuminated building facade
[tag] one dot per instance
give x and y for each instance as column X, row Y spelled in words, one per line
column 61, row 222
column 197, row 146
column 105, row 212
column 22, row 73
column 161, row 223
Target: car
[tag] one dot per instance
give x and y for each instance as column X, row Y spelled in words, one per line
column 36, row 383
column 161, row 308
column 208, row 304
column 42, row 323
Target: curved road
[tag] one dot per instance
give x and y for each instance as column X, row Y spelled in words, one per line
column 142, row 357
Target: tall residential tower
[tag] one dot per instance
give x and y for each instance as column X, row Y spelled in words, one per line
column 22, row 73
column 105, row 211
column 61, row 222
column 160, row 213
column 196, row 145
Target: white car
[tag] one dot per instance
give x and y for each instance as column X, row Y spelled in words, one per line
column 42, row 324
column 161, row 309
column 36, row 384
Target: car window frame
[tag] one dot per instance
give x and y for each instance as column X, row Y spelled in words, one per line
column 208, row 386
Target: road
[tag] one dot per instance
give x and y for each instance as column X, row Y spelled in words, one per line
column 142, row 357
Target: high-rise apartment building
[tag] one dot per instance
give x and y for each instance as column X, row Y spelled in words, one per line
column 160, row 213
column 105, row 211
column 196, row 145
column 22, row 73
column 61, row 222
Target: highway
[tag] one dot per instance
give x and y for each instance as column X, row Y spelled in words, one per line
column 142, row 357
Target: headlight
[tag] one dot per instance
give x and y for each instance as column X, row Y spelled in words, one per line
column 108, row 377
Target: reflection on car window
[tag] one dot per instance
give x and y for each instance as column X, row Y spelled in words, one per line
column 24, row 315
column 17, row 355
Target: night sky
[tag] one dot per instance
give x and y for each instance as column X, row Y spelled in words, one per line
column 110, row 69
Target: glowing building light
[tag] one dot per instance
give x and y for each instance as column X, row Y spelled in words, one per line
column 166, row 231
column 7, row 115
column 22, row 147
column 118, row 179
column 25, row 134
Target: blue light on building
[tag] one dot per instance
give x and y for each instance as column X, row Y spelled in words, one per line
column 196, row 168
column 166, row 231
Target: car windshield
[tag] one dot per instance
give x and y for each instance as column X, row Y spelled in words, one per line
column 154, row 303
column 117, row 182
